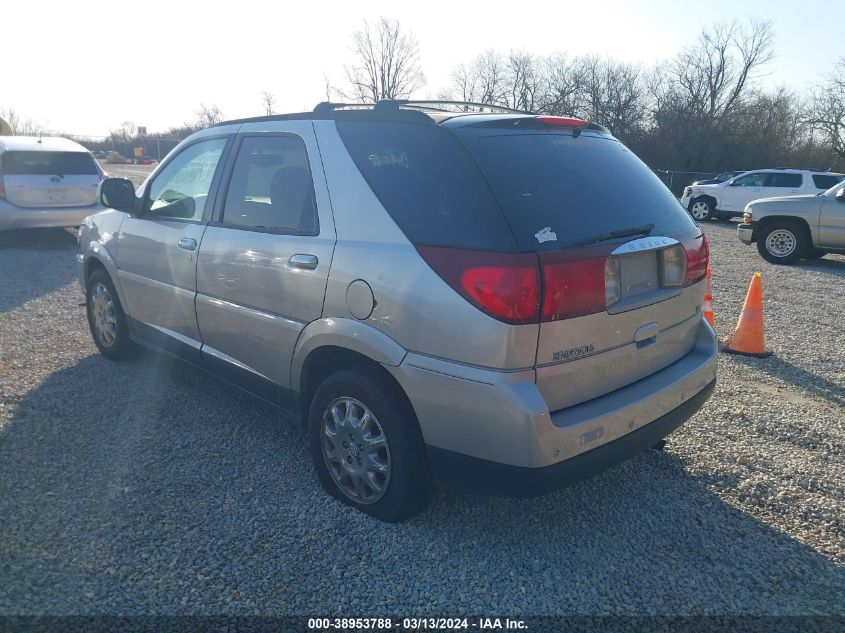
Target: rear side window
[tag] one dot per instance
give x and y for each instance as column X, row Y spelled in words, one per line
column 825, row 182
column 783, row 180
column 557, row 189
column 271, row 187
column 40, row 163
column 424, row 178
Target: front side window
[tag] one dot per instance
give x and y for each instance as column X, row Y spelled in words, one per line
column 751, row 180
column 271, row 187
column 180, row 190
column 791, row 181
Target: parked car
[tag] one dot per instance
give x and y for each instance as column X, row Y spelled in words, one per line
column 46, row 182
column 423, row 289
column 725, row 175
column 728, row 199
column 791, row 228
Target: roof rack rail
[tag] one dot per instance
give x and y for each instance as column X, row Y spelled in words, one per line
column 325, row 107
column 432, row 104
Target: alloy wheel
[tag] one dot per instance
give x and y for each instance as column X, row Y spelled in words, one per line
column 103, row 315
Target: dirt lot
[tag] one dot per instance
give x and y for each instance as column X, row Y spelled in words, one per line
column 146, row 487
column 135, row 173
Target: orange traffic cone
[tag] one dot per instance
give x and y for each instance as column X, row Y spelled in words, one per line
column 749, row 337
column 708, row 300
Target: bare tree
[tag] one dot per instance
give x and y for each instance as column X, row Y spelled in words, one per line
column 563, row 82
column 710, row 78
column 614, row 95
column 268, row 100
column 208, row 115
column 386, row 63
column 826, row 110
column 23, row 126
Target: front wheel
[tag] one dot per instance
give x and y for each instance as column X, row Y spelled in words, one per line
column 782, row 242
column 106, row 318
column 701, row 209
column 366, row 446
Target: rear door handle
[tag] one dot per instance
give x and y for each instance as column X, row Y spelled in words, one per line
column 187, row 244
column 303, row 262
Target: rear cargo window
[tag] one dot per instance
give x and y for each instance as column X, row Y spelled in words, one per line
column 824, row 182
column 423, row 177
column 557, row 189
column 49, row 164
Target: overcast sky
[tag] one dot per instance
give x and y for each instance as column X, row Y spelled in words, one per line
column 84, row 67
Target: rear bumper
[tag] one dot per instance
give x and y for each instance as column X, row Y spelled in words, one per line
column 471, row 474
column 479, row 419
column 13, row 217
column 745, row 232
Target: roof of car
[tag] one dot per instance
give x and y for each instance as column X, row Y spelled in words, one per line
column 39, row 144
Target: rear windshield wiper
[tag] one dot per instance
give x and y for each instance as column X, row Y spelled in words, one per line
column 644, row 229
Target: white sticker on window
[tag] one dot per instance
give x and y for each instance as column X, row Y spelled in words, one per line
column 546, row 235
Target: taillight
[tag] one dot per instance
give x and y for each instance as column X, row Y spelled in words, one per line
column 574, row 282
column 2, row 188
column 504, row 285
column 698, row 257
column 563, row 121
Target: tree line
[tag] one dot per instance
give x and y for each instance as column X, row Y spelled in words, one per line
column 703, row 110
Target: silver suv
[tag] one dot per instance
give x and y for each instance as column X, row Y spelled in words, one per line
column 444, row 298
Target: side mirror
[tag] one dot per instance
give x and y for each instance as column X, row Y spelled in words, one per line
column 840, row 195
column 117, row 193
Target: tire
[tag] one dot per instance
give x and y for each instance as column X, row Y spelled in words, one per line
column 378, row 467
column 106, row 319
column 782, row 242
column 814, row 253
column 701, row 209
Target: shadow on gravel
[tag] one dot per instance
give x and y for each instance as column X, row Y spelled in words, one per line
column 38, row 239
column 835, row 267
column 147, row 487
column 43, row 260
column 784, row 370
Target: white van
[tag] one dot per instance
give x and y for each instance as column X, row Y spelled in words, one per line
column 46, row 182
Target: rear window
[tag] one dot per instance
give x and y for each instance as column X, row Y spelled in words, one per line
column 424, row 178
column 822, row 181
column 557, row 189
column 49, row 164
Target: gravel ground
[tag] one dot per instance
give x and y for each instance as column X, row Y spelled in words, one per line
column 146, row 487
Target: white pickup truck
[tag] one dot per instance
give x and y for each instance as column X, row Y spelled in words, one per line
column 728, row 199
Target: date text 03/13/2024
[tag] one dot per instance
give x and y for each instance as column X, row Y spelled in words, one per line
column 416, row 624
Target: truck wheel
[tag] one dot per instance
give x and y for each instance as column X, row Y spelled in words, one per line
column 701, row 209
column 782, row 242
column 367, row 447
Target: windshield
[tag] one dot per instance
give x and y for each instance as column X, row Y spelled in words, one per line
column 558, row 190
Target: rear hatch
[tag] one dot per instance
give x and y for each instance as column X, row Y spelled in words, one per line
column 620, row 260
column 546, row 223
column 49, row 179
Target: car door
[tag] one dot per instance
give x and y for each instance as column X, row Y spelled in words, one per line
column 156, row 252
column 832, row 220
column 743, row 190
column 264, row 261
